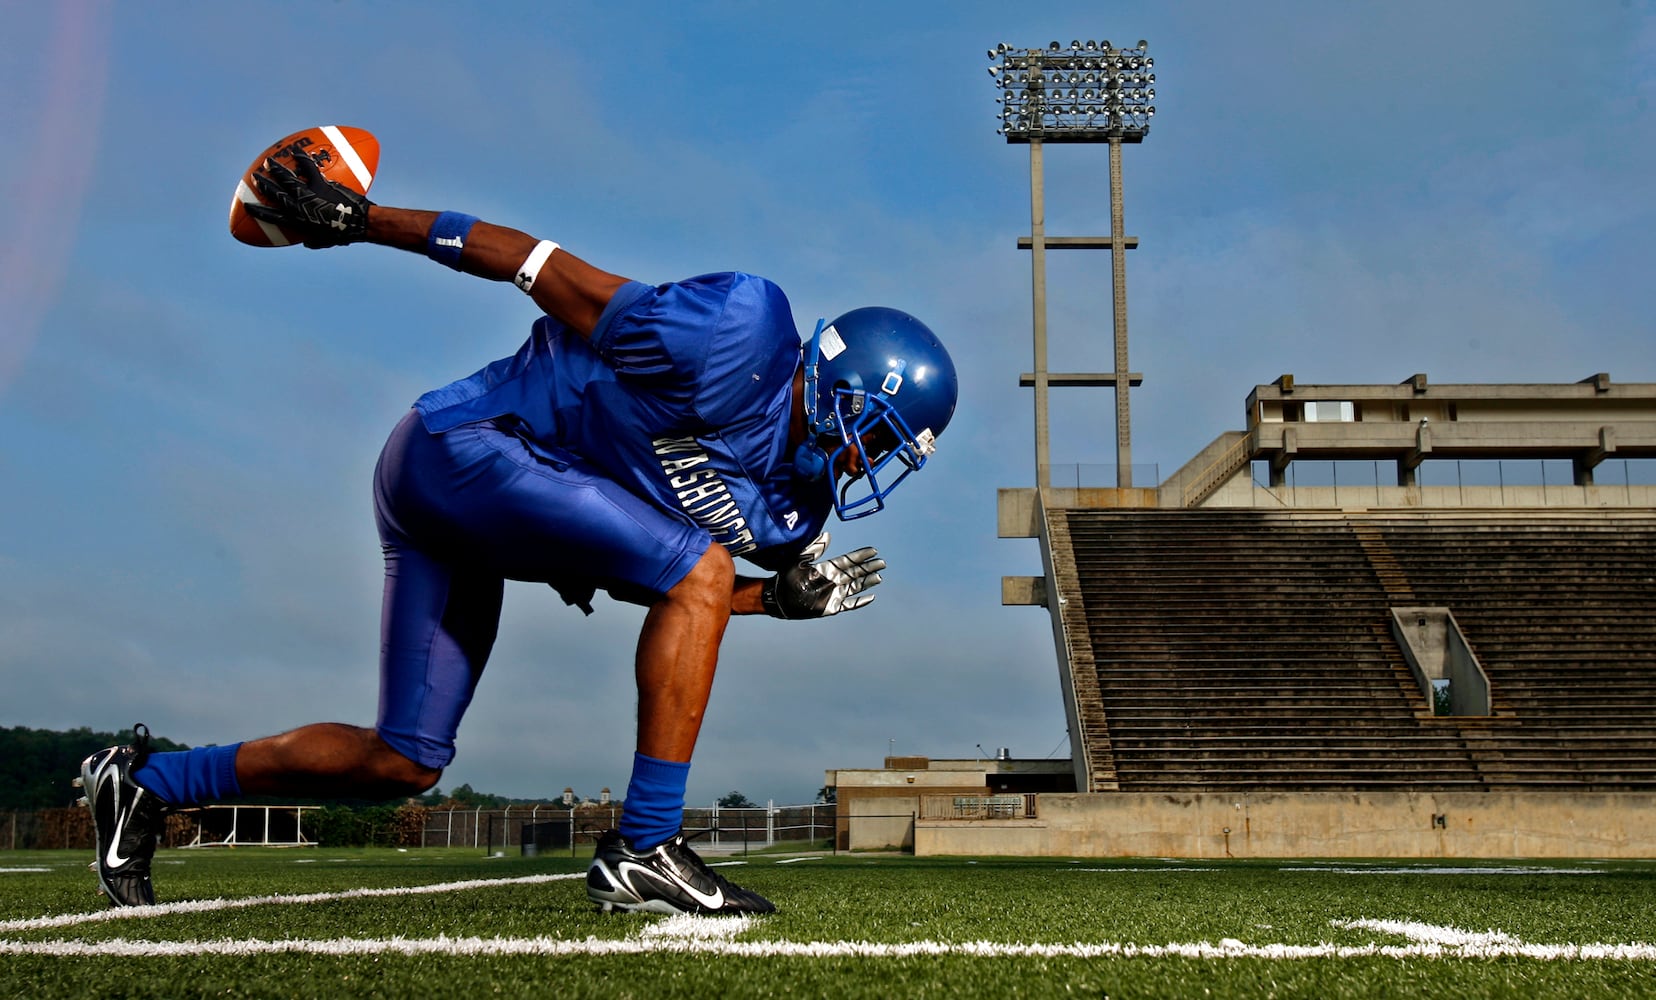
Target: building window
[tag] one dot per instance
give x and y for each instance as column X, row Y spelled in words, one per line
column 1330, row 411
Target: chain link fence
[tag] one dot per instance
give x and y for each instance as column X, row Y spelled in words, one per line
column 71, row 828
column 530, row 829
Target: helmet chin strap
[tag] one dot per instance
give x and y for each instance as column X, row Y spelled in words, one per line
column 810, row 461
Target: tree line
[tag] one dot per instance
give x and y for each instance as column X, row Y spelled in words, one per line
column 37, row 765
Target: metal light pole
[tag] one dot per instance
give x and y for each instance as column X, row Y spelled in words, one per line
column 1089, row 92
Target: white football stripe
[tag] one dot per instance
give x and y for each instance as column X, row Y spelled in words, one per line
column 274, row 234
column 349, row 152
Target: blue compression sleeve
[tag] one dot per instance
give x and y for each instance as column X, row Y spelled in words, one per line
column 654, row 809
column 191, row 777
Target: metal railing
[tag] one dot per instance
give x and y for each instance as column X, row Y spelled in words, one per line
column 1019, row 806
column 1097, row 475
column 250, row 826
column 1218, row 472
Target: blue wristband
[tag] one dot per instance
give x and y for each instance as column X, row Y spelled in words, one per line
column 448, row 237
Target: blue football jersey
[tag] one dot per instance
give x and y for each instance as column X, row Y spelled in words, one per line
column 683, row 395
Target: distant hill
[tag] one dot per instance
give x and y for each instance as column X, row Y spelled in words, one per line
column 37, row 765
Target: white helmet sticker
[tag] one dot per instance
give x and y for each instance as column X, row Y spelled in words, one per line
column 832, row 345
column 925, row 442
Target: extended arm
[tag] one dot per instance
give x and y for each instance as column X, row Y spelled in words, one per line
column 745, row 595
column 327, row 214
column 566, row 288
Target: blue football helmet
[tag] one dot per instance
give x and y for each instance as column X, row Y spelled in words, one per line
column 880, row 378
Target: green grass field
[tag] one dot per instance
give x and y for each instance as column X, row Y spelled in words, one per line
column 261, row 922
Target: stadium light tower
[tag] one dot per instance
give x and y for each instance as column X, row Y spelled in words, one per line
column 1088, row 92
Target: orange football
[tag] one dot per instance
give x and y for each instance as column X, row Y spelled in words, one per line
column 345, row 154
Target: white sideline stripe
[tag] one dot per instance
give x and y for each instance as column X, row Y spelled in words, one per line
column 1497, row 946
column 1433, row 870
column 688, row 926
column 349, row 153
column 1431, row 933
column 1112, row 871
column 213, row 905
column 714, row 936
column 13, row 871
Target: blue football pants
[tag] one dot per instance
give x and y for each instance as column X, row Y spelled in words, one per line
column 460, row 513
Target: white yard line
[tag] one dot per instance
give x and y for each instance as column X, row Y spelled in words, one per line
column 212, row 905
column 686, row 927
column 1112, row 871
column 1445, row 870
column 717, row 945
column 716, row 936
column 1432, row 934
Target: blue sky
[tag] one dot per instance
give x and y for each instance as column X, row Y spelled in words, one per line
column 1345, row 192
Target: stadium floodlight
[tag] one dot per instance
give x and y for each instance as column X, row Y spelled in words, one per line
column 1089, row 92
column 1119, row 109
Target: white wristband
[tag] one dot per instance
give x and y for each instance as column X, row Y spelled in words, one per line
column 525, row 277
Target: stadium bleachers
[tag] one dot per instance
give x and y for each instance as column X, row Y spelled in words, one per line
column 1251, row 650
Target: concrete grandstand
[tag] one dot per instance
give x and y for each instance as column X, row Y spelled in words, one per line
column 1386, row 663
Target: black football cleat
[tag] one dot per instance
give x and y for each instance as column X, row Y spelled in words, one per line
column 668, row 878
column 127, row 818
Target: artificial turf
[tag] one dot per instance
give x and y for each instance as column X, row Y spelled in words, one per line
column 847, row 926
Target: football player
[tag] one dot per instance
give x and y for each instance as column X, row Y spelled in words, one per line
column 643, row 437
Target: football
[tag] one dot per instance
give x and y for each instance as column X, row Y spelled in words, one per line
column 345, row 154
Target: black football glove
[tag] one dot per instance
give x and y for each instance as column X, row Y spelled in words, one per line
column 324, row 213
column 811, row 589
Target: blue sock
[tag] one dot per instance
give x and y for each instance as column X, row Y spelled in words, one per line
column 654, row 809
column 191, row 777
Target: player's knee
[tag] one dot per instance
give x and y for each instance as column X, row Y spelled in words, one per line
column 424, row 780
column 421, row 778
column 403, row 774
column 413, row 778
column 710, row 580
